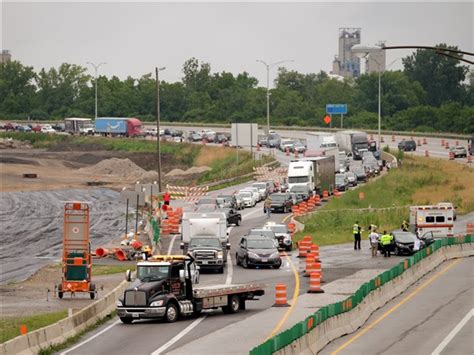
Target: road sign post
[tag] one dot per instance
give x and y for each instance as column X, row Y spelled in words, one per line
column 337, row 109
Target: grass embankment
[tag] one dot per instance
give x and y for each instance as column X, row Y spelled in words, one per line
column 10, row 327
column 222, row 160
column 419, row 181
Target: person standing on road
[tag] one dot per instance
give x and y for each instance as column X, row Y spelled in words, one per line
column 386, row 241
column 374, row 241
column 268, row 206
column 356, row 229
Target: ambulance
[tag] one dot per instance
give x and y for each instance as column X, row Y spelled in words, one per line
column 438, row 219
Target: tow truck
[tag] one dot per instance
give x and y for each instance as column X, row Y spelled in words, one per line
column 163, row 289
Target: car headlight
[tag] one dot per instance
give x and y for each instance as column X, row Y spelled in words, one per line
column 220, row 255
column 119, row 303
column 253, row 255
column 157, row 303
column 401, row 245
column 275, row 255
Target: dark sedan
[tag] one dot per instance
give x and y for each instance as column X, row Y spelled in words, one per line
column 404, row 242
column 407, row 145
column 257, row 251
column 281, row 202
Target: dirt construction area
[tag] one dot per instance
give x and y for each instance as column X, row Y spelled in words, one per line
column 31, row 217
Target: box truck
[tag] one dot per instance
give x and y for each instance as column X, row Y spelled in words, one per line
column 352, row 141
column 314, row 173
column 119, row 126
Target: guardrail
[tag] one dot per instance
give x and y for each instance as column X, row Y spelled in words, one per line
column 331, row 312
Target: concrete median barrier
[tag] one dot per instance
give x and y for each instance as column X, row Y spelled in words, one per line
column 59, row 332
column 339, row 320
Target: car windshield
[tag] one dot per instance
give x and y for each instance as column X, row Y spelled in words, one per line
column 207, row 201
column 297, row 179
column 404, row 237
column 260, row 244
column 260, row 185
column 279, row 229
column 225, row 197
column 264, row 233
column 350, row 175
column 150, row 273
column 245, row 194
column 278, row 198
column 205, row 242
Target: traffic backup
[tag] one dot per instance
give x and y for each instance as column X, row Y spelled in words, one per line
column 164, row 289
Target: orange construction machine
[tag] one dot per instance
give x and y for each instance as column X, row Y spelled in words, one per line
column 77, row 261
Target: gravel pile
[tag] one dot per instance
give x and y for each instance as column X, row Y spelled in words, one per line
column 124, row 168
column 190, row 171
column 9, row 143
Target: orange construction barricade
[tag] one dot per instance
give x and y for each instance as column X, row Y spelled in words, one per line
column 315, row 283
column 280, row 296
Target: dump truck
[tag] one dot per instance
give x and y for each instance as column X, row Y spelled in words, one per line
column 205, row 236
column 163, row 289
column 76, row 258
column 314, row 173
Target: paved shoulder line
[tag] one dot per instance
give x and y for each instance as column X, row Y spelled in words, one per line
column 294, row 300
column 91, row 338
column 453, row 333
column 395, row 307
column 178, row 336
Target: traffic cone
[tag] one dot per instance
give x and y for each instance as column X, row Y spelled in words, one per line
column 427, row 154
column 446, row 145
column 315, row 283
column 393, row 138
column 424, row 141
column 287, row 151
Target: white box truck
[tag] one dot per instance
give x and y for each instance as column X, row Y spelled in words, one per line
column 314, row 173
column 205, row 236
column 351, row 142
column 320, row 140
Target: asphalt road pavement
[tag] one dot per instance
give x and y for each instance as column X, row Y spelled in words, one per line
column 434, row 316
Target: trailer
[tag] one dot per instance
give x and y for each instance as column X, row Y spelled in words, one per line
column 320, row 140
column 119, row 126
column 76, row 258
column 325, row 152
column 163, row 290
column 351, row 142
column 315, row 173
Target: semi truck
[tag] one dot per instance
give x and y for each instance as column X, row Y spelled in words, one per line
column 119, row 126
column 351, row 142
column 77, row 125
column 314, row 173
column 320, row 140
column 163, row 289
column 205, row 236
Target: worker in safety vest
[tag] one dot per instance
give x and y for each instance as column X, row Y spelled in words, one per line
column 405, row 225
column 356, row 229
column 385, row 242
column 166, row 198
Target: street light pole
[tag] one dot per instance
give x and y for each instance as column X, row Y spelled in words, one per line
column 158, row 147
column 268, row 67
column 96, row 68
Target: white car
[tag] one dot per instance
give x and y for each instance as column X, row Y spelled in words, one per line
column 47, row 129
column 255, row 191
column 248, row 198
column 262, row 189
column 282, row 234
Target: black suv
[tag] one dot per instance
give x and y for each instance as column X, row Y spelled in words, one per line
column 232, row 216
column 407, row 145
column 257, row 251
column 281, row 202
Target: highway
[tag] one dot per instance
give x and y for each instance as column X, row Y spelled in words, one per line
column 434, row 316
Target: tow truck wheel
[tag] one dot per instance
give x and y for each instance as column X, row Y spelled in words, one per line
column 60, row 291
column 92, row 290
column 126, row 320
column 171, row 314
column 245, row 264
column 233, row 305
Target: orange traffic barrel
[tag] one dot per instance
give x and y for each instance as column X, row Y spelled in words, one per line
column 314, row 249
column 446, row 145
column 317, row 200
column 23, row 329
column 424, row 141
column 427, row 154
column 419, row 142
column 451, row 155
column 457, row 142
column 120, row 255
column 470, row 228
column 393, row 138
column 309, row 265
column 361, row 195
column 315, row 283
column 469, row 159
column 303, row 248
column 101, row 252
column 296, row 154
column 325, row 196
column 280, row 296
column 291, row 227
column 317, row 268
column 287, row 151
column 381, row 139
column 442, row 142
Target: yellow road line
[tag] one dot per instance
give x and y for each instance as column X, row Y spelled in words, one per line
column 403, row 301
column 284, row 219
column 293, row 303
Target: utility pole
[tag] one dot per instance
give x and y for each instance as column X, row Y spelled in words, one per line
column 158, row 148
column 96, row 69
column 268, row 67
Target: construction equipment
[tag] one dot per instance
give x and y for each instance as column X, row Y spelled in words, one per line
column 76, row 260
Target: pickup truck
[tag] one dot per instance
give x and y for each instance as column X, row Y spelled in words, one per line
column 163, row 290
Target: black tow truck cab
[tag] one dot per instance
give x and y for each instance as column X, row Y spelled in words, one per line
column 163, row 290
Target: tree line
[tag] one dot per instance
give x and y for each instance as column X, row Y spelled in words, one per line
column 430, row 94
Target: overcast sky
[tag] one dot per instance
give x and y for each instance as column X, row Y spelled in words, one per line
column 133, row 38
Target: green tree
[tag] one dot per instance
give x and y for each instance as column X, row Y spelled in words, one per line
column 440, row 76
column 17, row 88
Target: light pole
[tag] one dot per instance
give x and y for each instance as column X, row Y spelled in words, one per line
column 158, row 148
column 96, row 68
column 269, row 66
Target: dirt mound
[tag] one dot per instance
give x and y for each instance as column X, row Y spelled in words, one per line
column 119, row 167
column 176, row 172
column 191, row 171
column 9, row 143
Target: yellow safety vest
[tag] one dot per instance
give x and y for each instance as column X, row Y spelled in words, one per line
column 386, row 239
column 355, row 229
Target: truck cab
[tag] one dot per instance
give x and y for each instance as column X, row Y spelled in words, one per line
column 163, row 289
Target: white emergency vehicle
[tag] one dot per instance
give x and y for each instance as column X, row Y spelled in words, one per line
column 437, row 219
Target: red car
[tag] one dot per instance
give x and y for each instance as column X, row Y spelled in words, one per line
column 10, row 126
column 36, row 129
